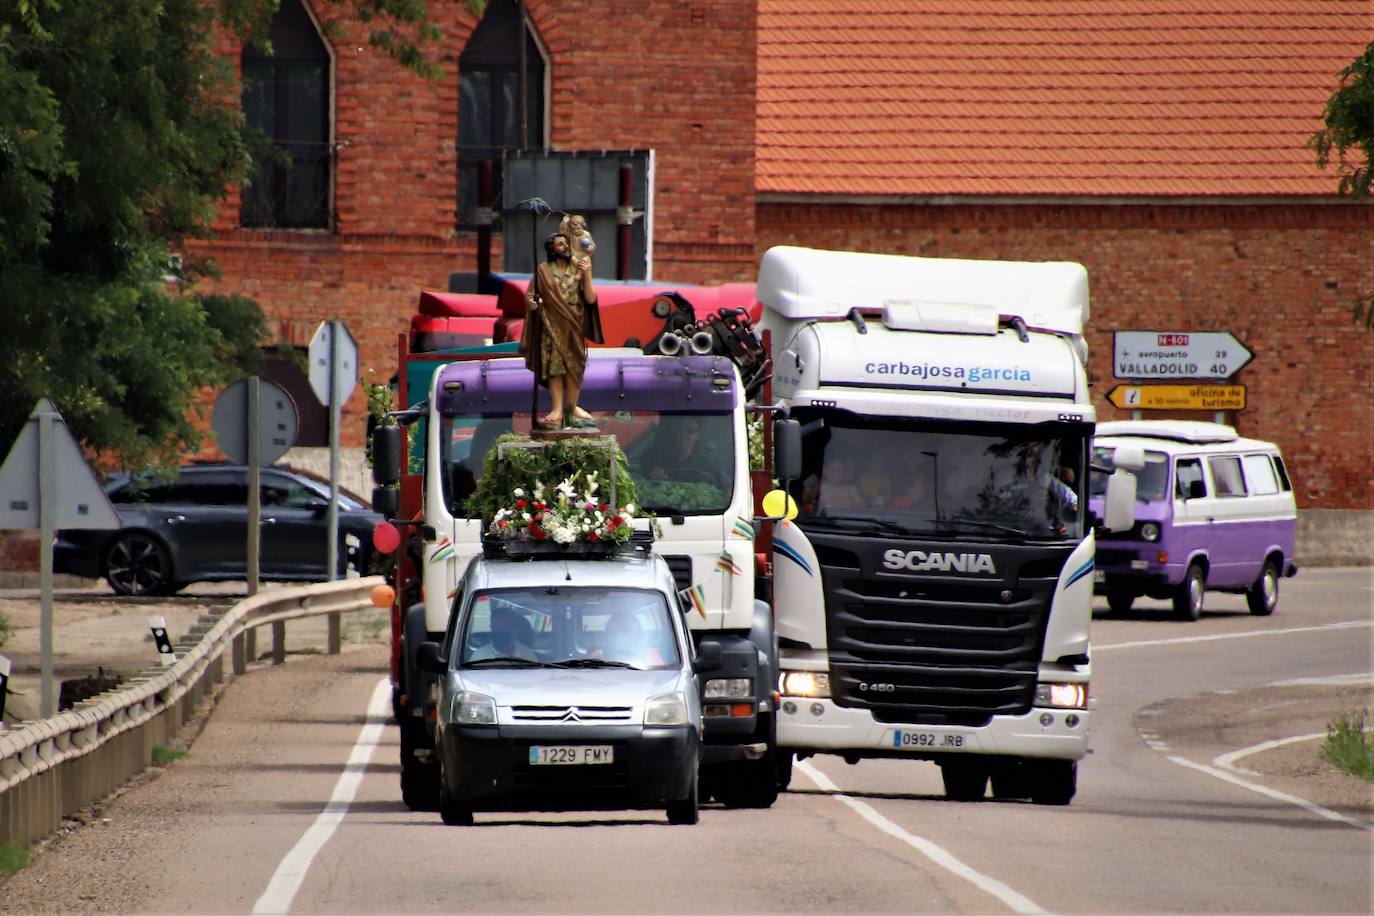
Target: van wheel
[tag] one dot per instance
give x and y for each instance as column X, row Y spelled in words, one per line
column 419, row 780
column 1188, row 595
column 1120, row 602
column 686, row 810
column 451, row 811
column 964, row 781
column 1263, row 596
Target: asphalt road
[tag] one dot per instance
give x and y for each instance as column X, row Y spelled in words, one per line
column 268, row 812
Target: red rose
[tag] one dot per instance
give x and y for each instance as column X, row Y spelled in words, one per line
column 538, row 516
column 592, row 536
column 536, row 532
column 603, row 507
column 503, row 523
column 520, row 504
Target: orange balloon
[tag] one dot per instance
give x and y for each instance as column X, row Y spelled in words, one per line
column 383, row 596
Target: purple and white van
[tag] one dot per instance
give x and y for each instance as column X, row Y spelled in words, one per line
column 1213, row 511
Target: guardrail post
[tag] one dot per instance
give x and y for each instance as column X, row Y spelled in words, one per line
column 239, row 663
column 278, row 642
column 251, row 644
column 335, row 639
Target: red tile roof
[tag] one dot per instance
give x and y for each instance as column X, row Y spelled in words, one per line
column 1049, row 97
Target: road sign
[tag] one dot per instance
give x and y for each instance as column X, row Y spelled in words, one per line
column 277, row 422
column 344, row 369
column 1177, row 354
column 1178, row 397
column 79, row 501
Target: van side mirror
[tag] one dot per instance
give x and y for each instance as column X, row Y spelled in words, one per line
column 1118, row 505
column 429, row 658
column 786, row 449
column 709, row 656
column 386, row 455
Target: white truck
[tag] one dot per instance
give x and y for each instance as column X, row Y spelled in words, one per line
column 933, row 594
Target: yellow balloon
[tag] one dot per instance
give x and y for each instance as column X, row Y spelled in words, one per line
column 778, row 503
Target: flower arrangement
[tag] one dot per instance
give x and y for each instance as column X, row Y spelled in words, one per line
column 593, row 501
column 565, row 516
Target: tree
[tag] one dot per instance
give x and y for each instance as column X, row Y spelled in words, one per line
column 1349, row 137
column 120, row 130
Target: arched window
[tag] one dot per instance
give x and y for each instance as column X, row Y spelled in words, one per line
column 488, row 98
column 286, row 97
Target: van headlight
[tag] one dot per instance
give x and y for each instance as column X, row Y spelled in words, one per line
column 804, row 684
column 1149, row 531
column 1062, row 696
column 470, row 708
column 729, row 688
column 666, row 709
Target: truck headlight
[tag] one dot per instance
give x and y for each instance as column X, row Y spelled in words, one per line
column 666, row 709
column 804, row 684
column 1149, row 531
column 471, row 708
column 729, row 688
column 1062, row 696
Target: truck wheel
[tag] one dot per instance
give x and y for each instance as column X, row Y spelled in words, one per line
column 784, row 769
column 451, row 811
column 1011, row 780
column 964, row 781
column 420, row 781
column 686, row 810
column 1054, row 782
column 1188, row 595
column 748, row 783
column 1120, row 602
column 1263, row 596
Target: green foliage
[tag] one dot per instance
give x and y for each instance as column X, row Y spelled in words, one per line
column 754, row 430
column 1349, row 132
column 682, row 495
column 527, row 464
column 1350, row 745
column 13, row 857
column 4, row 630
column 162, row 756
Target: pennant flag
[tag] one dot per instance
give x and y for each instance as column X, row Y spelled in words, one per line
column 727, row 563
column 442, row 552
column 743, row 529
column 696, row 597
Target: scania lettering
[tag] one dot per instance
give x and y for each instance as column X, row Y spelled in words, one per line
column 933, row 594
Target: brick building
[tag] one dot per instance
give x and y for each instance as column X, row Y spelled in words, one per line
column 1161, row 143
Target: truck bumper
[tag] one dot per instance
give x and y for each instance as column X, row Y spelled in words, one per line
column 820, row 726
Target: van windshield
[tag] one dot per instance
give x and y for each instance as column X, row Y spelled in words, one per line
column 1151, row 481
column 569, row 627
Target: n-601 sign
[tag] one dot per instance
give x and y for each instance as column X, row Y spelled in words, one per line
column 1177, row 354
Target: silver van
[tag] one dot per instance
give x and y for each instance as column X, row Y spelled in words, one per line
column 568, row 684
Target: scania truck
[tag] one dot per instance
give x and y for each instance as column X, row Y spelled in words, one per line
column 933, row 593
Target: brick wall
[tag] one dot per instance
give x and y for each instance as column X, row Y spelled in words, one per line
column 1281, row 277
column 618, row 81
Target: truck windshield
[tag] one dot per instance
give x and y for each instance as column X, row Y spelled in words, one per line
column 1151, row 481
column 682, row 463
column 990, row 482
column 569, row 627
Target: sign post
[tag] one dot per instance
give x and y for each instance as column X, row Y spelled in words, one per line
column 45, row 454
column 333, row 375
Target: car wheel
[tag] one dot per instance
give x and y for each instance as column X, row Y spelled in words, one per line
column 1120, row 602
column 451, row 810
column 686, row 810
column 137, row 564
column 1054, row 782
column 1188, row 595
column 964, row 781
column 1263, row 596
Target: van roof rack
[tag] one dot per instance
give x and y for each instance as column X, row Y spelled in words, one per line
column 1194, row 431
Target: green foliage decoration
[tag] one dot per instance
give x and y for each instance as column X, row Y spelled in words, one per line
column 528, row 464
column 683, row 495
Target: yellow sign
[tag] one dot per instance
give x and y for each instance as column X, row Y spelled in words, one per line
column 1178, row 397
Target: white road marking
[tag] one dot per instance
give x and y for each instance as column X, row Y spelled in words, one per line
column 1273, row 793
column 286, row 881
column 1228, row 761
column 930, row 850
column 1334, row 680
column 1347, row 625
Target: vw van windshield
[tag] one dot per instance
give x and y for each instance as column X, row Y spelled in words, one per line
column 980, row 481
column 682, row 463
column 1151, row 481
column 569, row 627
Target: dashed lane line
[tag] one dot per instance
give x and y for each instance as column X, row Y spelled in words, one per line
column 286, row 881
column 932, row 851
column 1346, row 625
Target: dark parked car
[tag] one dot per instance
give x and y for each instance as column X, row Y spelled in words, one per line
column 194, row 528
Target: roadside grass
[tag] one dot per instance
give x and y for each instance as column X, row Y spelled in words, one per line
column 162, row 756
column 1350, row 744
column 13, row 856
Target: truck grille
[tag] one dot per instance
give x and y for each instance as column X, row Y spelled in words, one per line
column 933, row 649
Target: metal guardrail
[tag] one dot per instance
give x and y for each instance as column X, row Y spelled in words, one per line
column 51, row 768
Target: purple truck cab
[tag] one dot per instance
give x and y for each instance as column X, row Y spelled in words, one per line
column 1213, row 512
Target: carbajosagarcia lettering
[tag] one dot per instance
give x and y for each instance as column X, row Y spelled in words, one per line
column 969, row 373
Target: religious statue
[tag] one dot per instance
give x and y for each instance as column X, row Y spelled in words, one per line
column 574, row 226
column 561, row 316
